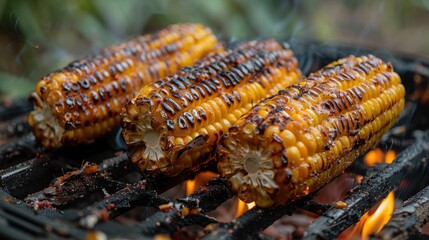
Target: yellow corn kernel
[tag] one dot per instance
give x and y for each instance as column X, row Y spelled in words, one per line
column 179, row 141
column 288, row 138
column 310, row 143
column 302, row 149
column 293, row 155
column 271, row 130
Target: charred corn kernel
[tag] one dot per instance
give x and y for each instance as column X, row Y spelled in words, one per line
column 249, row 128
column 206, row 99
column 325, row 123
column 271, row 130
column 90, row 93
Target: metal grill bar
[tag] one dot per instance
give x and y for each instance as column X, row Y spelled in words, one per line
column 19, row 224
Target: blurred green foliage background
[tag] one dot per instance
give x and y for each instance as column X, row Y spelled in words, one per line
column 37, row 37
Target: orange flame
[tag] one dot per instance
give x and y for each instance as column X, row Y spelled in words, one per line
column 359, row 178
column 242, row 207
column 250, row 205
column 199, row 180
column 380, row 217
column 374, row 220
column 390, row 156
column 190, row 187
column 373, row 157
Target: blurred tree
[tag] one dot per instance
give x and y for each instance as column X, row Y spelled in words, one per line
column 37, row 37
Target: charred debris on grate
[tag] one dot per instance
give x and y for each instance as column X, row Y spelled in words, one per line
column 187, row 211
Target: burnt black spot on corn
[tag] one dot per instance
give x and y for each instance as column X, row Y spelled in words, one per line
column 295, row 142
column 93, row 90
column 179, row 126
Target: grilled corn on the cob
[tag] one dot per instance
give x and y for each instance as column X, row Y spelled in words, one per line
column 295, row 142
column 175, row 123
column 84, row 100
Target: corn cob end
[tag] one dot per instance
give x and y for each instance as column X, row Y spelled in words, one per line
column 144, row 140
column 45, row 125
column 249, row 171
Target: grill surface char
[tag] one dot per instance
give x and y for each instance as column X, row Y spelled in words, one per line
column 21, row 167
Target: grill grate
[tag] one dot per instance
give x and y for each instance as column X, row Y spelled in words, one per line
column 74, row 192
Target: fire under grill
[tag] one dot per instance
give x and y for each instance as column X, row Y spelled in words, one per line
column 92, row 192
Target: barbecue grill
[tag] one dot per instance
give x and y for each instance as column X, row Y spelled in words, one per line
column 81, row 192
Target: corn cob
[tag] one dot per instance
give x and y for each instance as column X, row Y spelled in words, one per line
column 293, row 143
column 174, row 124
column 83, row 101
